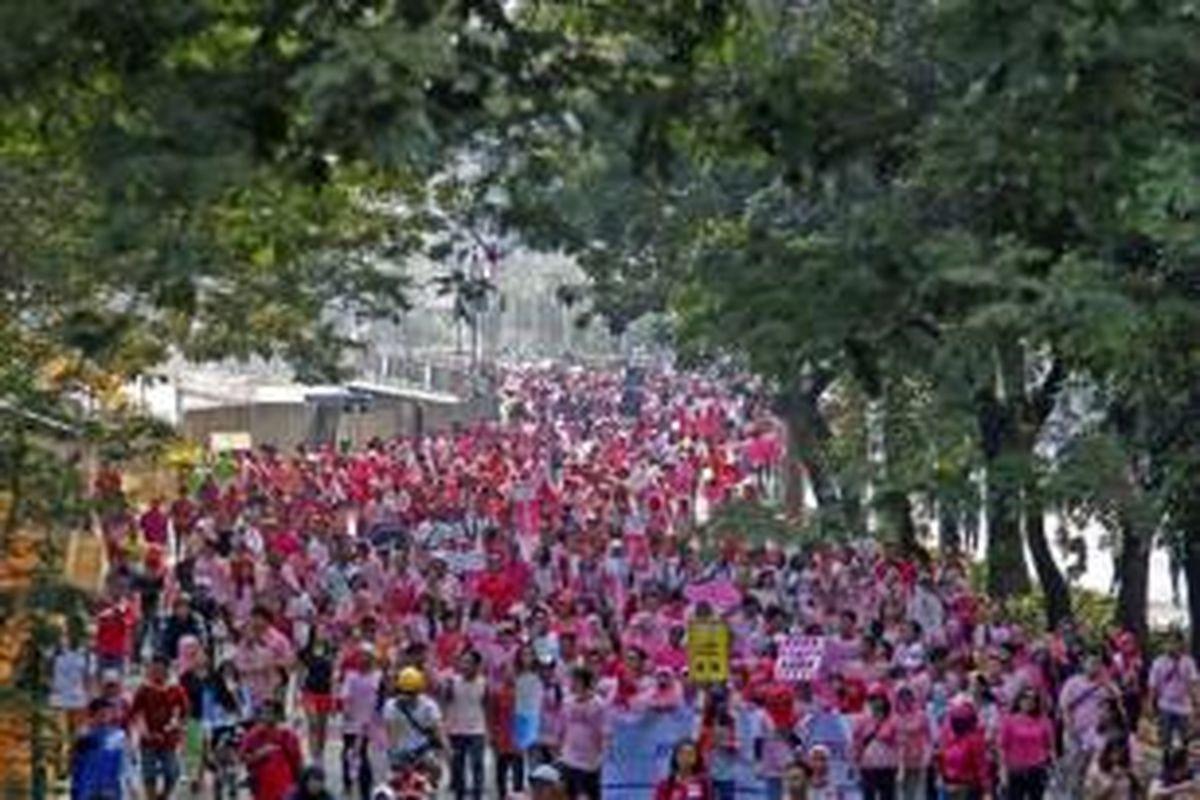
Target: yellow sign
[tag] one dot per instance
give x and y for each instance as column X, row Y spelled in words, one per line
column 708, row 652
column 228, row 442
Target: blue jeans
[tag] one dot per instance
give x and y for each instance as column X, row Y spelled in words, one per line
column 466, row 752
column 774, row 788
column 159, row 765
column 724, row 790
column 1170, row 725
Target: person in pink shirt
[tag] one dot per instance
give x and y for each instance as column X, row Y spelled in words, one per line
column 548, row 738
column 674, row 655
column 358, row 696
column 875, row 747
column 584, row 736
column 1026, row 747
column 264, row 657
column 666, row 693
column 914, row 743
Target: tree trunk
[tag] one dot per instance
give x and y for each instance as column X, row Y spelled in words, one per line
column 1056, row 593
column 799, row 405
column 1191, row 570
column 906, row 529
column 1007, row 574
column 1133, row 587
column 793, row 469
column 851, row 512
column 949, row 529
column 896, row 511
column 893, row 502
column 1185, row 507
column 1000, row 416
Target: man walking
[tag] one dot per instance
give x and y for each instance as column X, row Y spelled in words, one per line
column 160, row 706
column 1173, row 679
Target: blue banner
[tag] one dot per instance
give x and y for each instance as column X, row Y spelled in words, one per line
column 639, row 754
column 832, row 730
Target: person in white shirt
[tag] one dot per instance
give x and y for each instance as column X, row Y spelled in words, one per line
column 1173, row 679
column 69, row 684
column 464, row 695
column 359, row 695
column 926, row 608
column 413, row 720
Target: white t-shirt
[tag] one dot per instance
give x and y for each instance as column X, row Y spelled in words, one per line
column 359, row 693
column 1172, row 680
column 403, row 735
column 528, row 693
column 68, row 685
column 464, row 710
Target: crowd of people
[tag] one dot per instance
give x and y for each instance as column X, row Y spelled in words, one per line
column 476, row 609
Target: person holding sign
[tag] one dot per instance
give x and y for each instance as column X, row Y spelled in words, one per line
column 719, row 743
column 708, row 651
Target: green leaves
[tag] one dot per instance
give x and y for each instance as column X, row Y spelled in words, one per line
column 943, row 205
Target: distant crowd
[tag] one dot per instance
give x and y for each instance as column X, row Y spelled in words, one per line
column 495, row 611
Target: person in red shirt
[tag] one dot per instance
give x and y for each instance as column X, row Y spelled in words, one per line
column 499, row 584
column 271, row 754
column 687, row 779
column 114, row 634
column 183, row 516
column 451, row 642
column 501, row 709
column 153, row 523
column 963, row 761
column 160, row 710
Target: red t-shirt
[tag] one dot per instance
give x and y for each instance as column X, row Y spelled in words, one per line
column 273, row 760
column 113, row 628
column 163, row 711
column 448, row 646
column 500, row 589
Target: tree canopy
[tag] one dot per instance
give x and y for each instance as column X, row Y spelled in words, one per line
column 960, row 234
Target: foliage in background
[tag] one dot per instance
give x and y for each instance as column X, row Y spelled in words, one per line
column 958, row 216
column 931, row 225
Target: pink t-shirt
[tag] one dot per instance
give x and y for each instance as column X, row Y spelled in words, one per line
column 914, row 738
column 875, row 742
column 360, row 695
column 262, row 661
column 583, row 734
column 672, row 658
column 1025, row 741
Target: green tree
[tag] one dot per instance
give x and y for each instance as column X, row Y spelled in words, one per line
column 953, row 193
